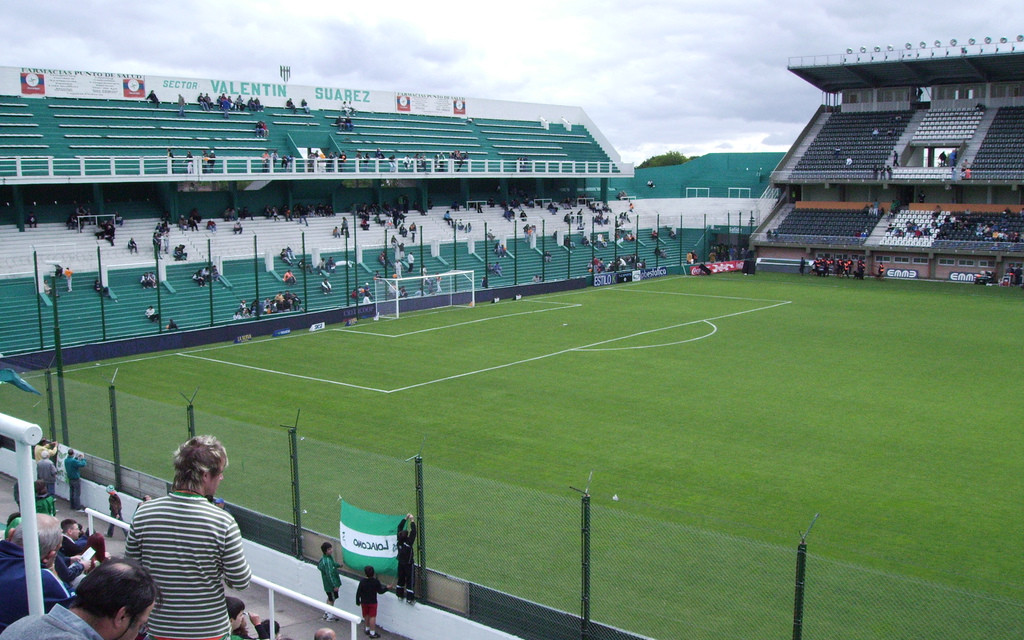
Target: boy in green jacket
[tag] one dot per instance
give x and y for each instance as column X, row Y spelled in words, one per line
column 329, row 572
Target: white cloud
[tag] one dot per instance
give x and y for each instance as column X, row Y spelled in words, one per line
column 655, row 75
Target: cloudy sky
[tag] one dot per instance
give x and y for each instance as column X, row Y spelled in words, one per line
column 655, row 75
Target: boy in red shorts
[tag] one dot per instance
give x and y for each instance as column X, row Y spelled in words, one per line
column 366, row 598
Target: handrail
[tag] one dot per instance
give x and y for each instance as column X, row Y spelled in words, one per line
column 32, row 169
column 25, row 435
column 271, row 587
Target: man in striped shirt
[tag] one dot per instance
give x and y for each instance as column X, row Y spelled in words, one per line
column 191, row 547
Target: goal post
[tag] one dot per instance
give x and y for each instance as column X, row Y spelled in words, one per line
column 394, row 296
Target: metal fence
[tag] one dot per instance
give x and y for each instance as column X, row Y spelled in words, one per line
column 571, row 251
column 537, row 564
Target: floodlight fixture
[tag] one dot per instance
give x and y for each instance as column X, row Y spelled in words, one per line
column 971, row 41
column 909, row 46
column 988, row 40
column 863, row 49
column 952, row 42
column 1002, row 40
column 878, row 49
column 1020, row 38
column 888, row 47
column 849, row 50
column 938, row 43
column 924, row 45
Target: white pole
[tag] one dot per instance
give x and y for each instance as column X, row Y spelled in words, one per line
column 25, row 435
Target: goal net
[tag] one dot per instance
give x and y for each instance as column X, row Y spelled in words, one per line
column 395, row 296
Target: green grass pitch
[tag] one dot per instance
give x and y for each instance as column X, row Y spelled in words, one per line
column 723, row 412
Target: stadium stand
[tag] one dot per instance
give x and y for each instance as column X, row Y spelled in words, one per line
column 1001, row 154
column 947, row 126
column 853, row 145
column 98, row 132
column 937, row 139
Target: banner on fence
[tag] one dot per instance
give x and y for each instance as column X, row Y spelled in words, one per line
column 715, row 267
column 369, row 538
column 644, row 274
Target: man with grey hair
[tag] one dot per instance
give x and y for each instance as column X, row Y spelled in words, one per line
column 47, row 472
column 113, row 603
column 326, row 633
column 13, row 585
column 191, row 547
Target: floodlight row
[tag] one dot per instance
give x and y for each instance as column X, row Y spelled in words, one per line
column 938, row 43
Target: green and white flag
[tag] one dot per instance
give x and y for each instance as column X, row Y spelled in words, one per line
column 369, row 538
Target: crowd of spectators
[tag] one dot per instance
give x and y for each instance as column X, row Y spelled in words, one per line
column 967, row 226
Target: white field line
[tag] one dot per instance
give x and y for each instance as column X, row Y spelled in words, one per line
column 587, row 347
column 282, row 373
column 584, row 347
column 564, row 305
column 714, row 330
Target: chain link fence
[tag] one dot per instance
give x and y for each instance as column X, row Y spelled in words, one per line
column 512, row 557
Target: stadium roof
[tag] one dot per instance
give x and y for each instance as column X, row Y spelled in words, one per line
column 909, row 67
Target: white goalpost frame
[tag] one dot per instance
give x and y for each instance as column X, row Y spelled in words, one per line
column 457, row 287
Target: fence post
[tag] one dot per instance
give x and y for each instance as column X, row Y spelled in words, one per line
column 515, row 259
column 293, row 453
column 543, row 250
column 585, row 567
column 39, row 303
column 306, row 268
column 103, row 288
column 584, row 558
column 568, row 245
column 421, row 544
column 257, row 307
column 49, row 405
column 798, row 599
column 209, row 272
column 113, row 433
column 190, row 413
column 59, row 355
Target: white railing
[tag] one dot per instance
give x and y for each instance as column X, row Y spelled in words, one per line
column 25, row 435
column 27, row 169
column 272, row 588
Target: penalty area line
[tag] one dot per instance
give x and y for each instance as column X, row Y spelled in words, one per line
column 459, row 324
column 586, row 347
column 283, row 373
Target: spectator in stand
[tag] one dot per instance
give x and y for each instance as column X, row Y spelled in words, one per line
column 112, row 603
column 366, row 598
column 192, row 575
column 73, row 464
column 151, row 314
column 114, row 505
column 240, row 619
column 46, row 502
column 13, row 585
column 47, row 471
column 153, row 99
column 329, row 575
